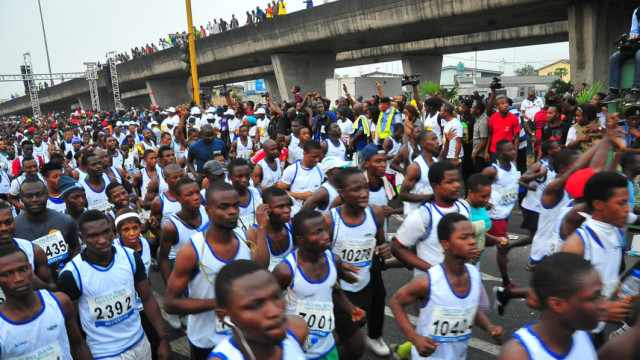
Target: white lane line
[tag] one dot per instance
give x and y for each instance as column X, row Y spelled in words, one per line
column 481, row 345
column 487, row 277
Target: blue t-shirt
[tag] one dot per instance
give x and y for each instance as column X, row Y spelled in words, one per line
column 202, row 152
column 319, row 135
column 362, row 141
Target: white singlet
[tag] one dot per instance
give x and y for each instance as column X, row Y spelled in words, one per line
column 544, row 240
column 447, row 317
column 581, row 346
column 313, row 301
column 168, row 208
column 162, row 184
column 339, row 151
column 205, row 330
column 118, row 159
column 270, row 176
column 302, row 180
column 333, row 193
column 422, row 186
column 504, row 192
column 42, row 337
column 248, row 212
column 276, row 257
column 394, row 150
column 533, row 199
column 56, row 204
column 355, row 245
column 145, row 255
column 244, row 151
column 116, row 174
column 185, row 232
column 228, row 349
column 97, row 200
column 107, row 305
column 146, row 179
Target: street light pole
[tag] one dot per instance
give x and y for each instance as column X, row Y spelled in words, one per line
column 45, row 38
column 192, row 55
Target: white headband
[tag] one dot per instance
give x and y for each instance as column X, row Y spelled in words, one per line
column 123, row 217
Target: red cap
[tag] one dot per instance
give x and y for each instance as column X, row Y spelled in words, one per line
column 53, row 126
column 577, row 180
column 32, row 129
column 105, row 124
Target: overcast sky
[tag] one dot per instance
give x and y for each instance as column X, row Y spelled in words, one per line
column 85, row 30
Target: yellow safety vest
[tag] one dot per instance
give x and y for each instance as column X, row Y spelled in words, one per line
column 382, row 134
column 282, row 9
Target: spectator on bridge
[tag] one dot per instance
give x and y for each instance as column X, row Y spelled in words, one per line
column 309, row 3
column 209, row 28
column 615, row 63
column 233, row 24
column 282, row 8
column 223, row 25
column 203, row 32
column 260, row 14
column 269, row 11
column 275, row 8
column 250, row 17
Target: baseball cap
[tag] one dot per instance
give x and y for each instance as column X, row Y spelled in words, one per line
column 75, row 140
column 171, row 110
column 213, row 167
column 370, row 151
column 195, row 111
column 219, row 109
column 331, row 162
column 119, row 123
column 260, row 111
column 634, row 110
column 576, row 182
column 210, row 110
column 67, row 185
column 210, row 116
column 230, row 112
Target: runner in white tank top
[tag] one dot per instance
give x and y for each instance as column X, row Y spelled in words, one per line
column 247, row 217
column 168, row 208
column 186, row 231
column 146, row 179
column 338, row 151
column 269, row 176
column 422, row 186
column 332, row 193
column 42, row 337
column 228, row 349
column 581, row 346
column 547, row 237
column 97, row 200
column 276, row 256
column 244, row 151
column 395, row 147
column 301, row 179
column 504, row 191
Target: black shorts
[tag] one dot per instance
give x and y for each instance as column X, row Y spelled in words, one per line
column 529, row 220
column 345, row 327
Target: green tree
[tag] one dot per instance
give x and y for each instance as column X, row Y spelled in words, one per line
column 561, row 72
column 526, row 70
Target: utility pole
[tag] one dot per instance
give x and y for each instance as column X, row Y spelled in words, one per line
column 192, row 55
column 46, row 47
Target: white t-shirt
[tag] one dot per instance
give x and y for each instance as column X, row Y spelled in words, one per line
column 346, row 127
column 530, row 108
column 262, row 125
column 431, row 123
column 572, row 135
column 455, row 126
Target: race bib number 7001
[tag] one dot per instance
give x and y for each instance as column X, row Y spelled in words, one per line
column 54, row 246
column 318, row 316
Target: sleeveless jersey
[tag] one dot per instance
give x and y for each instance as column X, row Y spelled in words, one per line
column 146, row 179
column 533, row 200
column 581, row 346
column 244, row 151
column 162, row 184
column 545, row 240
column 430, row 249
column 185, row 232
column 447, row 317
column 5, row 182
column 107, row 305
column 504, row 192
column 270, row 176
column 333, row 193
column 229, row 350
column 293, row 142
column 118, row 159
column 81, row 174
column 313, row 301
column 205, row 330
column 275, row 257
column 356, row 245
column 27, row 247
column 379, row 197
column 116, row 174
column 338, row 151
column 145, row 255
column 42, row 337
column 248, row 212
column 603, row 251
column 97, row 200
column 42, row 151
column 422, row 186
column 394, row 150
column 169, row 207
column 56, row 204
column 556, row 237
column 304, row 180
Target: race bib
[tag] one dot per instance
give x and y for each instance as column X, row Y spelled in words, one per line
column 104, row 207
column 510, row 196
column 244, row 154
column 273, row 262
column 318, row 315
column 49, row 352
column 358, row 252
column 222, row 327
column 451, row 324
column 112, row 308
column 2, row 297
column 54, row 246
column 246, row 222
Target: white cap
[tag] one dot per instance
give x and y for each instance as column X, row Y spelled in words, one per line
column 210, row 116
column 119, row 123
column 171, row 110
column 331, row 162
column 211, row 110
column 164, row 113
column 195, row 111
column 260, row 111
column 230, row 112
column 153, row 123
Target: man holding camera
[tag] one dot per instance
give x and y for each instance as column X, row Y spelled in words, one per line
column 628, row 49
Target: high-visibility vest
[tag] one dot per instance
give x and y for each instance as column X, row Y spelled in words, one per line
column 382, row 134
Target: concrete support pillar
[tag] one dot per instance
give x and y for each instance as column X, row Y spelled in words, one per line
column 593, row 27
column 85, row 102
column 309, row 71
column 428, row 66
column 169, row 92
column 271, row 84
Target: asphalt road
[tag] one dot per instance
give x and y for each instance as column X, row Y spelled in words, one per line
column 480, row 346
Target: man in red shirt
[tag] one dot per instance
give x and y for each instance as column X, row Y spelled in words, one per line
column 502, row 125
column 539, row 120
column 280, row 140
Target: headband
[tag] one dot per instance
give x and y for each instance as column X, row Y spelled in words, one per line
column 126, row 216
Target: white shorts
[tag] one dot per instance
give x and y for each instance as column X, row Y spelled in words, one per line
column 142, row 351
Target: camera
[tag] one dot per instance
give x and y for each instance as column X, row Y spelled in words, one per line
column 225, row 91
column 412, row 80
column 322, row 117
column 265, row 95
column 628, row 47
column 495, row 84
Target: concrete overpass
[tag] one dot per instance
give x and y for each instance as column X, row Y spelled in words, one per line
column 305, row 47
